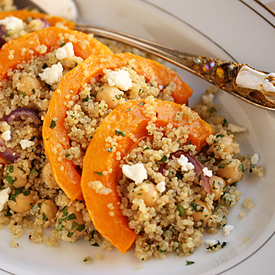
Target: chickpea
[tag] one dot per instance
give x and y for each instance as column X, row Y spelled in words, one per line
column 21, row 202
column 110, row 95
column 202, row 213
column 225, row 142
column 28, row 85
column 16, row 175
column 46, row 208
column 74, row 222
column 148, row 192
column 218, row 186
column 48, row 177
column 230, row 170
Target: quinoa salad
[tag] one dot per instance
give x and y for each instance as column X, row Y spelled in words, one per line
column 170, row 190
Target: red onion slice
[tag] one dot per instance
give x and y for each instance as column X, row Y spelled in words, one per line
column 46, row 24
column 17, row 114
column 8, row 154
column 2, row 35
column 203, row 180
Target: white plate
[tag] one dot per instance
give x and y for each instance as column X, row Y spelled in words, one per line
column 215, row 28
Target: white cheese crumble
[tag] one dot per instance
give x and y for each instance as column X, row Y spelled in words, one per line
column 227, row 229
column 185, row 165
column 12, row 23
column 4, row 197
column 6, row 135
column 236, row 128
column 135, row 172
column 207, row 172
column 207, row 98
column 53, row 74
column 161, row 186
column 211, row 242
column 66, row 51
column 254, row 159
column 26, row 143
column 121, row 79
column 252, row 79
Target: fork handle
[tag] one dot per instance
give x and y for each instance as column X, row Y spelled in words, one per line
column 220, row 73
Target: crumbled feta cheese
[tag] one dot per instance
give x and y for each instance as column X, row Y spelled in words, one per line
column 12, row 23
column 255, row 80
column 236, row 128
column 161, row 186
column 120, row 79
column 211, row 242
column 6, row 135
column 53, row 74
column 185, row 165
column 254, row 159
column 66, row 51
column 26, row 143
column 227, row 229
column 207, row 98
column 135, row 172
column 4, row 197
column 207, row 172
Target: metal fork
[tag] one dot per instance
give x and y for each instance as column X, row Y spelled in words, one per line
column 241, row 80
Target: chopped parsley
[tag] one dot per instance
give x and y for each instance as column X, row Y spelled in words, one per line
column 62, row 44
column 179, row 175
column 86, row 98
column 26, row 193
column 53, row 124
column 241, row 168
column 59, row 226
column 80, row 227
column 220, row 136
column 98, row 173
column 224, row 122
column 110, row 149
column 199, row 179
column 71, row 217
column 10, row 180
column 194, row 206
column 212, row 110
column 7, row 34
column 222, row 165
column 44, row 217
column 118, row 97
column 164, row 159
column 70, row 234
column 120, row 133
column 189, row 262
column 74, row 224
column 22, row 93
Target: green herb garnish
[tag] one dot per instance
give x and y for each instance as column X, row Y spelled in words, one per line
column 53, row 124
column 120, row 133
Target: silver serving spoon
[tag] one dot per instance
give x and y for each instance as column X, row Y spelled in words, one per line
column 241, row 80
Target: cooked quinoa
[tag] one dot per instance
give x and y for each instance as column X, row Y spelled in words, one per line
column 169, row 209
column 12, row 27
column 7, row 5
